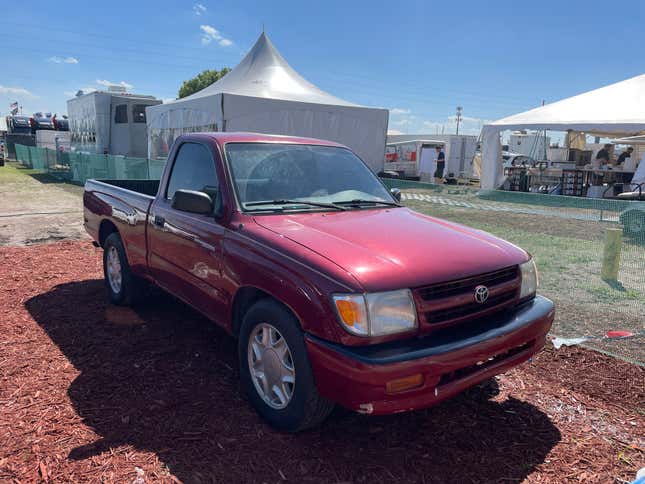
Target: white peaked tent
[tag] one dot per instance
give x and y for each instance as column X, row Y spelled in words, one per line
column 615, row 110
column 264, row 94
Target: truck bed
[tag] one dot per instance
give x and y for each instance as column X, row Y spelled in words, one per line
column 147, row 187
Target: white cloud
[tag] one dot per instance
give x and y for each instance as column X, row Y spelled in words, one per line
column 210, row 33
column 106, row 83
column 63, row 60
column 394, row 131
column 18, row 91
column 199, row 9
column 399, row 111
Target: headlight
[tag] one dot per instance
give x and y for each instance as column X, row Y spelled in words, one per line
column 529, row 279
column 378, row 313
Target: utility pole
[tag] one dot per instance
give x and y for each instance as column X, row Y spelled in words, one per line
column 459, row 111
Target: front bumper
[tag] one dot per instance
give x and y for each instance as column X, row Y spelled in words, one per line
column 450, row 360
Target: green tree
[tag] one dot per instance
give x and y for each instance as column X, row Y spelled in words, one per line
column 201, row 80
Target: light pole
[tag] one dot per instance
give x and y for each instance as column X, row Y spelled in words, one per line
column 459, row 111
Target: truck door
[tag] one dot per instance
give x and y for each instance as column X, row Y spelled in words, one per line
column 185, row 248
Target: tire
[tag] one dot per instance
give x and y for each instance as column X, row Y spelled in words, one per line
column 634, row 223
column 122, row 286
column 302, row 407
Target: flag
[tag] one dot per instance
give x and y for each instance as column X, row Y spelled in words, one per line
column 13, row 107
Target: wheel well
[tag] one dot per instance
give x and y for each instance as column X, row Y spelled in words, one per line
column 245, row 297
column 106, row 228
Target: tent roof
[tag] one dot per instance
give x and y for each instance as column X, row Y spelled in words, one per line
column 618, row 108
column 631, row 140
column 265, row 73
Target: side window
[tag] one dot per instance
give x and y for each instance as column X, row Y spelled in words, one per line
column 194, row 169
column 121, row 114
column 139, row 113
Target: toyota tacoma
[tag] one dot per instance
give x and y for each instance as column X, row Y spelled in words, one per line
column 334, row 291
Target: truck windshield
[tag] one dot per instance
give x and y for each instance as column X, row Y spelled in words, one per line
column 272, row 176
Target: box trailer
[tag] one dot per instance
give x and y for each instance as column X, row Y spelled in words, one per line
column 405, row 157
column 110, row 123
column 459, row 149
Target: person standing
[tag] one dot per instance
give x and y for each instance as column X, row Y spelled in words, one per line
column 624, row 155
column 441, row 165
column 603, row 156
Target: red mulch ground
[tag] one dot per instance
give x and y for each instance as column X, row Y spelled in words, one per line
column 91, row 392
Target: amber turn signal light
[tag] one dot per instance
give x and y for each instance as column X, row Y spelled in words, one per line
column 403, row 384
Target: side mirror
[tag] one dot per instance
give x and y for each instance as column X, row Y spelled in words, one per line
column 396, row 193
column 192, row 201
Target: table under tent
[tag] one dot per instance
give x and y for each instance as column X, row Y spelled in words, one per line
column 613, row 111
column 264, row 94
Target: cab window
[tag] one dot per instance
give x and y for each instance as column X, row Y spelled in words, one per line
column 194, row 169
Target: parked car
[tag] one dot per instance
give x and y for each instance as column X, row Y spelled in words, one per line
column 61, row 124
column 335, row 292
column 20, row 124
column 42, row 121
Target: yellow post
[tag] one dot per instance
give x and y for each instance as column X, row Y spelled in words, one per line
column 611, row 254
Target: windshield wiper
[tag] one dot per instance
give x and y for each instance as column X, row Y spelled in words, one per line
column 359, row 201
column 294, row 202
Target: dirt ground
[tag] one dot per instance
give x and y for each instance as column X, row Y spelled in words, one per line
column 92, row 392
column 34, row 208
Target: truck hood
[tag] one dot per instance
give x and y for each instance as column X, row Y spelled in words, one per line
column 386, row 249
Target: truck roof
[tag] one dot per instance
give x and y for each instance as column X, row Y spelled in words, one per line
column 244, row 137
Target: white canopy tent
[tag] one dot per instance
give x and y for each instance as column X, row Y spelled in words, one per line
column 615, row 110
column 264, row 94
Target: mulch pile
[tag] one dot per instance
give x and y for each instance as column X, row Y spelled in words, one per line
column 92, row 392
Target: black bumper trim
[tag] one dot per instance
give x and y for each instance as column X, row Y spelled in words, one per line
column 445, row 341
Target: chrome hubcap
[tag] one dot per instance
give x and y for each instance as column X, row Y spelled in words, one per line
column 271, row 366
column 114, row 270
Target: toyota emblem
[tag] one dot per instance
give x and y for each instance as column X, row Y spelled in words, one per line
column 481, row 294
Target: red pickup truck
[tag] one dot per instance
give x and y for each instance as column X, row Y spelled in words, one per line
column 335, row 292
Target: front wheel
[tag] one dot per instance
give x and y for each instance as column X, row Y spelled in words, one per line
column 275, row 369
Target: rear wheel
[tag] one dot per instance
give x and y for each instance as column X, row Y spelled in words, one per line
column 122, row 286
column 275, row 369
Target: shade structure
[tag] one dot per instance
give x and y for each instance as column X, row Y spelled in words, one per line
column 614, row 110
column 264, row 94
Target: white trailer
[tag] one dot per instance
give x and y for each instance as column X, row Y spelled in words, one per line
column 110, row 122
column 406, row 157
column 459, row 149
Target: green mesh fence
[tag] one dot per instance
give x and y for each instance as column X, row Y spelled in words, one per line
column 78, row 167
column 567, row 237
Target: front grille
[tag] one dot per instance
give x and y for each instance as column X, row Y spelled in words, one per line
column 451, row 302
column 446, row 289
column 461, row 311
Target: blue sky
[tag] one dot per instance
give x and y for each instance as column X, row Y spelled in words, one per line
column 420, row 59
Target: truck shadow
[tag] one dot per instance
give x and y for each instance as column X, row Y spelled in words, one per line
column 162, row 378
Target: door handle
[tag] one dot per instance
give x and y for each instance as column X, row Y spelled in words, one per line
column 159, row 221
